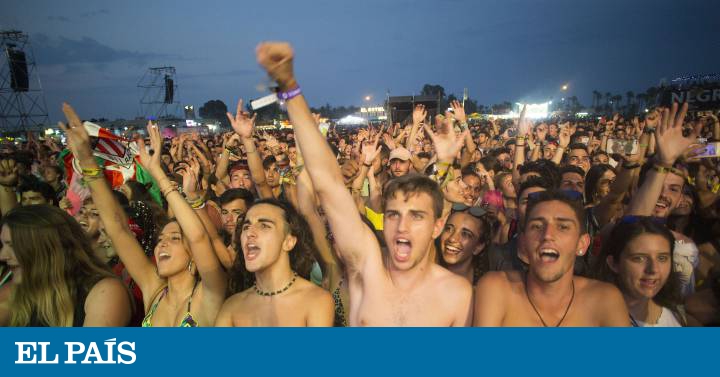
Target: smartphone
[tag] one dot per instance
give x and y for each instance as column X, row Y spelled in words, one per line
column 712, row 150
column 622, row 146
column 584, row 140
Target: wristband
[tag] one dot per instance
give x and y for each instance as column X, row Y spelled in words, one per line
column 290, row 94
column 92, row 172
column 367, row 165
column 630, row 166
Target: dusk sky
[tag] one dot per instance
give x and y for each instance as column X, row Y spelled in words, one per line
column 93, row 53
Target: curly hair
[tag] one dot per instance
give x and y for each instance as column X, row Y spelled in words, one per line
column 301, row 255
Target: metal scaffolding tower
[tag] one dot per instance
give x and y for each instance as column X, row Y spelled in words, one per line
column 22, row 102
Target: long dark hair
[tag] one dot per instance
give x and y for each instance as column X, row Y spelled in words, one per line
column 592, row 179
column 301, row 256
column 621, row 235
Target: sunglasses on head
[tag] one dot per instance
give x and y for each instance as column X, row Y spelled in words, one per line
column 570, row 194
column 632, row 219
column 474, row 211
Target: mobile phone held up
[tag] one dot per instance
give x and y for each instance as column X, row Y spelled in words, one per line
column 622, row 146
column 712, row 150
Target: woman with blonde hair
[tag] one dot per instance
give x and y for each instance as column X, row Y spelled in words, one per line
column 58, row 280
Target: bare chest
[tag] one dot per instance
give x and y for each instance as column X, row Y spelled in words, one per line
column 270, row 312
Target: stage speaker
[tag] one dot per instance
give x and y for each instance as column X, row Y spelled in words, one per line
column 19, row 81
column 401, row 107
column 169, row 89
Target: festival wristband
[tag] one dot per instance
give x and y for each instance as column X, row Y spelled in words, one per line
column 91, row 172
column 290, row 94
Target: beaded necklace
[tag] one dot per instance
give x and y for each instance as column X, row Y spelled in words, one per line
column 263, row 293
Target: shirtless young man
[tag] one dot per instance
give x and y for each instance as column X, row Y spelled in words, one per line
column 549, row 294
column 271, row 232
column 400, row 287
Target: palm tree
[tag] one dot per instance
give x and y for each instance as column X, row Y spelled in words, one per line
column 596, row 99
column 616, row 99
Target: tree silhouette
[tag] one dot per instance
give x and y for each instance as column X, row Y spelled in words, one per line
column 214, row 109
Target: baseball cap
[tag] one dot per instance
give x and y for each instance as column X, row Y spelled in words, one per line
column 400, row 153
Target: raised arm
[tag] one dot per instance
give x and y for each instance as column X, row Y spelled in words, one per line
column 197, row 198
column 354, row 240
column 113, row 217
column 243, row 125
column 459, row 111
column 8, row 186
column 563, row 142
column 671, row 144
column 213, row 276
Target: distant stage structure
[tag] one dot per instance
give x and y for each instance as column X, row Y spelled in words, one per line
column 159, row 93
column 22, row 101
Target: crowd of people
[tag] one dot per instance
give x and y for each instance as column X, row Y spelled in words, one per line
column 431, row 221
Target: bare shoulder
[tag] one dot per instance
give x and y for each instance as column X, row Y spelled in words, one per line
column 312, row 292
column 108, row 287
column 605, row 295
column 237, row 299
column 452, row 286
column 499, row 279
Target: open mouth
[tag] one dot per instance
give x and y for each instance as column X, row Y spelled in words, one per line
column 649, row 283
column 452, row 250
column 403, row 249
column 549, row 255
column 251, row 252
column 163, row 256
column 662, row 204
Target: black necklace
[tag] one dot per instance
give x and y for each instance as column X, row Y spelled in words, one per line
column 263, row 293
column 538, row 313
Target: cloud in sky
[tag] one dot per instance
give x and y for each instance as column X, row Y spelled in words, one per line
column 61, row 50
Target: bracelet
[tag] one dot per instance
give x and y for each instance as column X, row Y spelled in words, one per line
column 198, row 204
column 367, row 165
column 661, row 169
column 172, row 187
column 92, row 178
column 91, row 172
column 9, row 188
column 464, row 125
column 630, row 166
column 290, row 94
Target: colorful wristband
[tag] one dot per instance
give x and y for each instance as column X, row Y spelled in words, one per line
column 292, row 93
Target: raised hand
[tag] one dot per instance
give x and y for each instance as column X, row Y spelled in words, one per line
column 151, row 163
column 542, row 131
column 370, row 150
column 78, row 140
column 524, row 124
column 8, row 173
column 419, row 114
column 242, row 123
column 277, row 60
column 448, row 144
column 191, row 178
column 459, row 111
column 668, row 135
column 564, row 137
column 389, row 141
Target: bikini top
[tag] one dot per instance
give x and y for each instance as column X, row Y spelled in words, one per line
column 187, row 320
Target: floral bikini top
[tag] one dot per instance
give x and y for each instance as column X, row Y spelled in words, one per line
column 187, row 320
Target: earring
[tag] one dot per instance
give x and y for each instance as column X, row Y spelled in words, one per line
column 190, row 265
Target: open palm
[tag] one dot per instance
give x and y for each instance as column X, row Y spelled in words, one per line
column 241, row 122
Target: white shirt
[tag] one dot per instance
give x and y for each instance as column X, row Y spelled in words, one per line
column 667, row 319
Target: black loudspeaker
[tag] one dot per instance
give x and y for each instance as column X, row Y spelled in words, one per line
column 401, row 107
column 19, row 81
column 169, row 89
